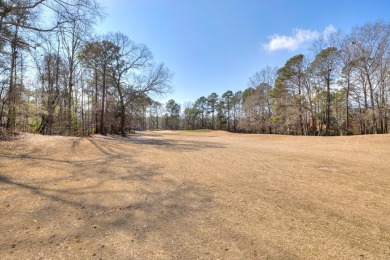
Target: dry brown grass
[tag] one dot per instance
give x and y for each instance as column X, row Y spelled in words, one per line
column 185, row 195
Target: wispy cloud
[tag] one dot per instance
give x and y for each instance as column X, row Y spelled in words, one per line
column 297, row 39
column 328, row 31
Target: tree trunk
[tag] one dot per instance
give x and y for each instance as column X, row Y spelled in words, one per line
column 228, row 118
column 327, row 105
column 70, row 93
column 95, row 106
column 102, row 126
column 374, row 123
column 123, row 114
column 347, row 105
column 300, row 108
column 212, row 120
column 11, row 120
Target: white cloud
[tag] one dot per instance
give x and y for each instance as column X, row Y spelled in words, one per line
column 328, row 31
column 298, row 38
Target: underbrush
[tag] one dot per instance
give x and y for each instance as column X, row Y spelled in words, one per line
column 8, row 136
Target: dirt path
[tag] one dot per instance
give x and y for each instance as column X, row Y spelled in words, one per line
column 179, row 195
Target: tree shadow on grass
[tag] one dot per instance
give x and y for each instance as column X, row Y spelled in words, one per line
column 112, row 206
column 66, row 207
column 161, row 141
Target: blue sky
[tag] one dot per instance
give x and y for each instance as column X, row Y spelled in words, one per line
column 215, row 46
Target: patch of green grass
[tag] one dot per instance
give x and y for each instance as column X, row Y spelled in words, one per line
column 198, row 130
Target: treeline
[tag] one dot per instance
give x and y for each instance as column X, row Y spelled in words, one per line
column 343, row 89
column 58, row 77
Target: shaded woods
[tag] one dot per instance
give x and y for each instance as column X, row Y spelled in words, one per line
column 59, row 77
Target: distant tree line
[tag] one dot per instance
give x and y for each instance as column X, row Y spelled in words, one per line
column 58, row 77
column 343, row 89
